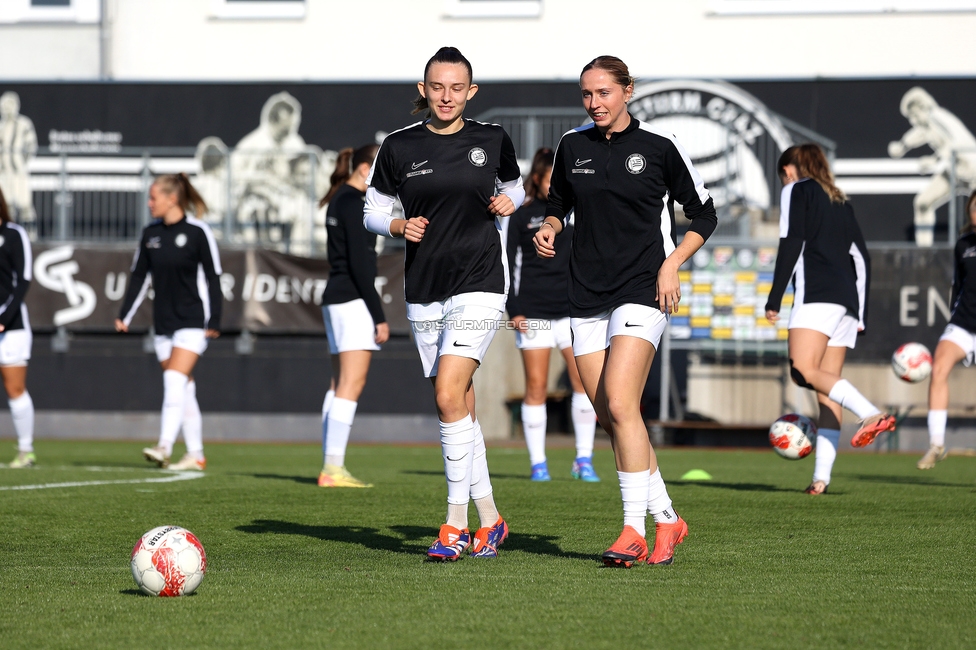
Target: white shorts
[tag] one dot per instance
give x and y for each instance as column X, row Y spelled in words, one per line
column 826, row 318
column 964, row 339
column 15, row 347
column 193, row 339
column 594, row 333
column 349, row 327
column 544, row 334
column 458, row 326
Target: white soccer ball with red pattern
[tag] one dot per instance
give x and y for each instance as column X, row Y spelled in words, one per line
column 912, row 362
column 793, row 436
column 168, row 561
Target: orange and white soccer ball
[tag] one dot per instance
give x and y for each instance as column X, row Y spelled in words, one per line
column 793, row 436
column 912, row 362
column 168, row 561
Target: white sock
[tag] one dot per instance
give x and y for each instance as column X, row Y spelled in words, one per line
column 534, row 426
column 192, row 422
column 658, row 501
column 22, row 412
column 338, row 424
column 937, row 427
column 584, row 424
column 174, row 396
column 827, row 442
column 457, row 446
column 633, row 491
column 326, row 406
column 847, row 396
column 481, row 492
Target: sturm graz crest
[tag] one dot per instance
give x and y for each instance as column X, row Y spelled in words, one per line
column 732, row 138
column 478, row 157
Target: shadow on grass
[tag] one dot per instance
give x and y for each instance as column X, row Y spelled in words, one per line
column 307, row 480
column 904, row 480
column 133, row 592
column 740, row 487
column 411, row 540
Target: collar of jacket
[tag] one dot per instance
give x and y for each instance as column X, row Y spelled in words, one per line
column 617, row 136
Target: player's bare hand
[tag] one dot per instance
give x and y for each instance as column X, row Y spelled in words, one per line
column 545, row 241
column 212, row 334
column 520, row 323
column 668, row 288
column 382, row 334
column 772, row 315
column 501, row 206
column 414, row 229
column 120, row 326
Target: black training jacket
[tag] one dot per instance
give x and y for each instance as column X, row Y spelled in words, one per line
column 183, row 265
column 539, row 287
column 964, row 284
column 623, row 191
column 16, row 265
column 821, row 248
column 352, row 254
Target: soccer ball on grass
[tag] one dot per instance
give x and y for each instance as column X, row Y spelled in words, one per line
column 168, row 561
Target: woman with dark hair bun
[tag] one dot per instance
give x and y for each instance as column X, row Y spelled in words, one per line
column 822, row 251
column 351, row 308
column 958, row 341
column 539, row 308
column 16, row 338
column 621, row 177
column 178, row 255
column 458, row 181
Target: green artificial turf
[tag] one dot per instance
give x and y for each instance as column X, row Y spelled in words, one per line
column 886, row 559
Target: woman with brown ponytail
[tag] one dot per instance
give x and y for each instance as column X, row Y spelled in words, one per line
column 822, row 250
column 352, row 310
column 178, row 254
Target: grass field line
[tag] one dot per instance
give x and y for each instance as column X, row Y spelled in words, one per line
column 171, row 477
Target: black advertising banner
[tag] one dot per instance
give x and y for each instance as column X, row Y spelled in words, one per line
column 81, row 289
column 908, row 300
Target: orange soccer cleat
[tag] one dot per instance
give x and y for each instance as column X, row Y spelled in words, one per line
column 630, row 547
column 666, row 537
column 871, row 428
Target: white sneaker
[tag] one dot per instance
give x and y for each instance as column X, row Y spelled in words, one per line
column 190, row 462
column 156, row 455
column 931, row 457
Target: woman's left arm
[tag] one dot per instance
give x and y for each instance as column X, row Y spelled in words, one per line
column 21, row 262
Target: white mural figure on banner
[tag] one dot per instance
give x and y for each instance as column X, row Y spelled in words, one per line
column 18, row 144
column 267, row 168
column 949, row 138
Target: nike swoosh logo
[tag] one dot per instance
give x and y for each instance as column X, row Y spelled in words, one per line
column 416, row 165
column 582, row 162
column 454, row 460
column 632, row 324
column 461, row 345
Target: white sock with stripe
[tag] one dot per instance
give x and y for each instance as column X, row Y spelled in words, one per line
column 633, row 491
column 584, row 424
column 22, row 413
column 192, row 422
column 658, row 500
column 534, row 420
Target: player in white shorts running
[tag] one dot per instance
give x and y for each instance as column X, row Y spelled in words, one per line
column 822, row 250
column 539, row 308
column 16, row 266
column 352, row 310
column 620, row 178
column 958, row 342
column 458, row 180
column 178, row 255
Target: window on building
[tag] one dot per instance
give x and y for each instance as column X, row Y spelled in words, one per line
column 260, row 9
column 786, row 7
column 493, row 8
column 50, row 11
